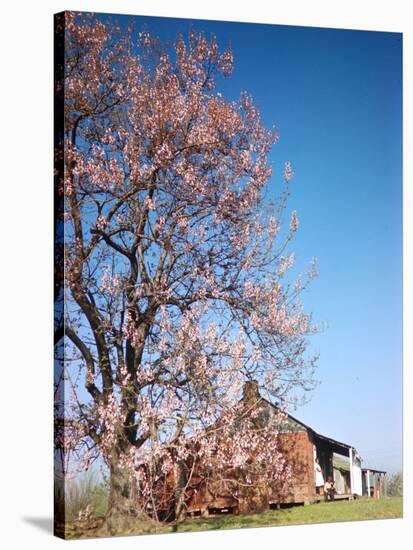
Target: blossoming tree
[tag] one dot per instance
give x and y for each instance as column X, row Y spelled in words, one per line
column 177, row 280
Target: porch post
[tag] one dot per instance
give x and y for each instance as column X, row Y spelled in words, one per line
column 368, row 482
column 350, row 454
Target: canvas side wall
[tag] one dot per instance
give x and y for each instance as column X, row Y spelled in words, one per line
column 59, row 386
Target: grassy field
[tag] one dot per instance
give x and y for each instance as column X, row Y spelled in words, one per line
column 323, row 512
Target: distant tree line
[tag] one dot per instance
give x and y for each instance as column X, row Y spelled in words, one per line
column 395, row 486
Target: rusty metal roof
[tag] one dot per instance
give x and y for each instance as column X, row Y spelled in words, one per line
column 338, row 445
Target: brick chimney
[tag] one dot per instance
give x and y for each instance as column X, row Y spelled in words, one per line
column 251, row 394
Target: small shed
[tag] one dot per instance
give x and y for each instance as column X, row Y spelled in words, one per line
column 374, row 483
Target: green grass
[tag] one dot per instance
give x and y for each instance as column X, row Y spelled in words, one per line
column 323, row 512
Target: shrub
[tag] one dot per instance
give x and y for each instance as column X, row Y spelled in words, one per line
column 395, row 485
column 89, row 489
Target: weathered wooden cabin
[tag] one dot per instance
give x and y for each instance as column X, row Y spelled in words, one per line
column 301, row 444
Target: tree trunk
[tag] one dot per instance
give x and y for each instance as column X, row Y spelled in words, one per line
column 180, row 505
column 124, row 515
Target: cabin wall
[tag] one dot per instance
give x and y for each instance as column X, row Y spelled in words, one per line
column 357, row 478
column 298, row 449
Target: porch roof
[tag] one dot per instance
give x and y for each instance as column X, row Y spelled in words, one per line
column 373, row 471
column 336, row 446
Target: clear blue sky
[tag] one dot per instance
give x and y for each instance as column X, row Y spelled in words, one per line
column 335, row 97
